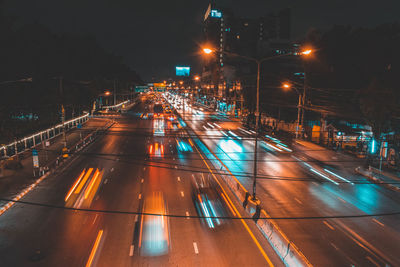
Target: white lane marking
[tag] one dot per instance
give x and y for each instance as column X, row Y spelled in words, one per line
column 174, row 158
column 371, row 260
column 136, row 218
column 112, row 169
column 182, row 194
column 131, row 250
column 140, row 196
column 315, row 183
column 179, row 179
column 196, row 250
column 330, row 226
column 217, row 125
column 95, row 217
column 341, row 199
column 176, row 167
column 187, row 214
column 298, row 200
column 105, row 181
column 97, row 197
column 144, row 168
column 333, row 245
column 142, row 181
column 378, row 222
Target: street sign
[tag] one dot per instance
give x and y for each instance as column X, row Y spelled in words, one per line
column 35, row 158
column 139, row 89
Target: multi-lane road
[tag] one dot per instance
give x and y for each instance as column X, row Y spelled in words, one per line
column 141, row 164
column 298, row 179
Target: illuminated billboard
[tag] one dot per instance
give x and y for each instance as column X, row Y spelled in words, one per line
column 182, row 71
column 216, row 13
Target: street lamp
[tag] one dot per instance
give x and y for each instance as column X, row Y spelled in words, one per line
column 288, row 86
column 208, row 51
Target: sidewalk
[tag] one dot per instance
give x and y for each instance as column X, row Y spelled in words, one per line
column 13, row 181
column 388, row 179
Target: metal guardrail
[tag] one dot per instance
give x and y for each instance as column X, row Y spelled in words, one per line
column 116, row 106
column 29, row 142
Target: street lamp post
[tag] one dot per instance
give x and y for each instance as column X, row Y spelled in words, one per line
column 257, row 113
column 299, row 106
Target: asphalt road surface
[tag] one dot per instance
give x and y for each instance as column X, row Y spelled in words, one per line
column 134, row 167
column 306, row 182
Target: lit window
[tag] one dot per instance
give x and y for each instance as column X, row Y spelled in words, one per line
column 246, row 24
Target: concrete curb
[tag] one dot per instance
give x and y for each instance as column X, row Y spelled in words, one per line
column 371, row 177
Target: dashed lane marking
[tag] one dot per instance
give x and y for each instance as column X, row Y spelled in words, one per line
column 378, row 222
column 182, row 194
column 95, row 218
column 142, row 181
column 298, row 200
column 179, row 179
column 140, row 196
column 330, row 226
column 187, row 214
column 131, row 250
column 371, row 260
column 196, row 250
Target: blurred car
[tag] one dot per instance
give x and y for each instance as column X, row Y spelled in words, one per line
column 207, row 198
column 154, row 239
column 156, row 150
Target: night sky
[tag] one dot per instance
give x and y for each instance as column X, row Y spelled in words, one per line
column 154, row 36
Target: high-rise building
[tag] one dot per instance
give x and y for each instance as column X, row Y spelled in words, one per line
column 252, row 37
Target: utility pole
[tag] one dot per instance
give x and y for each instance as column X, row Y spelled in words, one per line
column 257, row 116
column 303, row 101
column 63, row 114
column 115, row 92
column 298, row 116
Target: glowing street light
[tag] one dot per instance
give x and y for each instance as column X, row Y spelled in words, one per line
column 307, row 52
column 207, row 50
column 196, row 78
column 107, row 93
column 286, row 86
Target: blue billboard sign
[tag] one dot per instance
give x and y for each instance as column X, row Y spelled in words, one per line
column 182, row 71
column 216, row 13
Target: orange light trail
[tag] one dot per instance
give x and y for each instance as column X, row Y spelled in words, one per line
column 96, row 174
column 82, row 183
column 75, row 185
column 94, row 249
